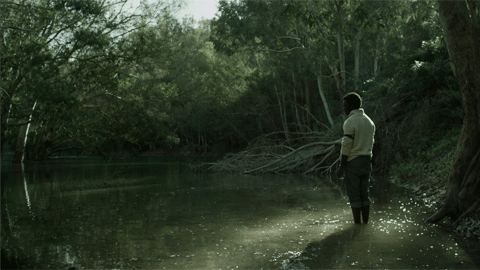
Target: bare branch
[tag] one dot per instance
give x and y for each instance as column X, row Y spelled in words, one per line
column 264, row 157
column 284, row 51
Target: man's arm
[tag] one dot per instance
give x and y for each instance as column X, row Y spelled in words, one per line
column 347, row 143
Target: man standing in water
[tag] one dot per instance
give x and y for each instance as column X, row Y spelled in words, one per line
column 356, row 156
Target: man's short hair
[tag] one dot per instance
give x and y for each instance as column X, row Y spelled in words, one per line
column 354, row 100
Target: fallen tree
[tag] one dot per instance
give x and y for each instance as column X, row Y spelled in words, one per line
column 270, row 156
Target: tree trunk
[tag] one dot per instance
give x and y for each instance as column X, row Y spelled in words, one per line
column 307, row 104
column 358, row 40
column 376, row 67
column 6, row 108
column 19, row 153
column 460, row 31
column 10, row 92
column 337, row 78
column 324, row 100
column 341, row 49
column 283, row 115
column 300, row 126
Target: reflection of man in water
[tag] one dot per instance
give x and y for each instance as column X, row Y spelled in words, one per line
column 355, row 165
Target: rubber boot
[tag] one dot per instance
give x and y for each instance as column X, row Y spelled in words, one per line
column 356, row 214
column 365, row 213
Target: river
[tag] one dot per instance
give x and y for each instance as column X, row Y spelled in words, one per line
column 153, row 214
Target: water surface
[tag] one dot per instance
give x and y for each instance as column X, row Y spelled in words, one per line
column 151, row 214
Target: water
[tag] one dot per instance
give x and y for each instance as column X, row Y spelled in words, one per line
column 150, row 214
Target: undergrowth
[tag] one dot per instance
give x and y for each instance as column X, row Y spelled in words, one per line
column 426, row 175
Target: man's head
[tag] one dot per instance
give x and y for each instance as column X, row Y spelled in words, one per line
column 351, row 101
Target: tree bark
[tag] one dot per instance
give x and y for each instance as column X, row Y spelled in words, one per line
column 460, row 31
column 283, row 115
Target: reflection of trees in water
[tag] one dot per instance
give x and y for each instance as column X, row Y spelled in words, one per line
column 105, row 227
column 58, row 223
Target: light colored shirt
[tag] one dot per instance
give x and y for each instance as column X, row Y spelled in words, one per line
column 358, row 135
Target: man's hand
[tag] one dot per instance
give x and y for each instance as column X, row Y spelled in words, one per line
column 342, row 167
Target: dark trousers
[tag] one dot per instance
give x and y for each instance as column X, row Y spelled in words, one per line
column 357, row 177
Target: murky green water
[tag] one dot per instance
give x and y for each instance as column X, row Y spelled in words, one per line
column 150, row 214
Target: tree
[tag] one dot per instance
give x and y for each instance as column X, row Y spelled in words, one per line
column 285, row 53
column 179, row 85
column 38, row 39
column 461, row 31
column 55, row 56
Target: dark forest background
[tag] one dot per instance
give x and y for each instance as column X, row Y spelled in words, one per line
column 95, row 78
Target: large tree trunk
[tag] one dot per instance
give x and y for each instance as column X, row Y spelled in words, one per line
column 461, row 35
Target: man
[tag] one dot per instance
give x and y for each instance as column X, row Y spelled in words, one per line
column 356, row 156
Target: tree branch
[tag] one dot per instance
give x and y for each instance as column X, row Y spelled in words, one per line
column 289, row 50
column 291, row 153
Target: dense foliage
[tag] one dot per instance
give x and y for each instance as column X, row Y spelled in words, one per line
column 91, row 77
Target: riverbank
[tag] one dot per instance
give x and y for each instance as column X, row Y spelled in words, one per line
column 426, row 176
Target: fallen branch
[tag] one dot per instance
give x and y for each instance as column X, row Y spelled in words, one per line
column 290, row 154
column 273, row 156
column 332, row 150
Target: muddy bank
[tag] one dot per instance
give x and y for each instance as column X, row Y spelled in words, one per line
column 426, row 178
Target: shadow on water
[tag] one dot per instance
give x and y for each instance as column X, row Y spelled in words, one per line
column 324, row 254
column 153, row 215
